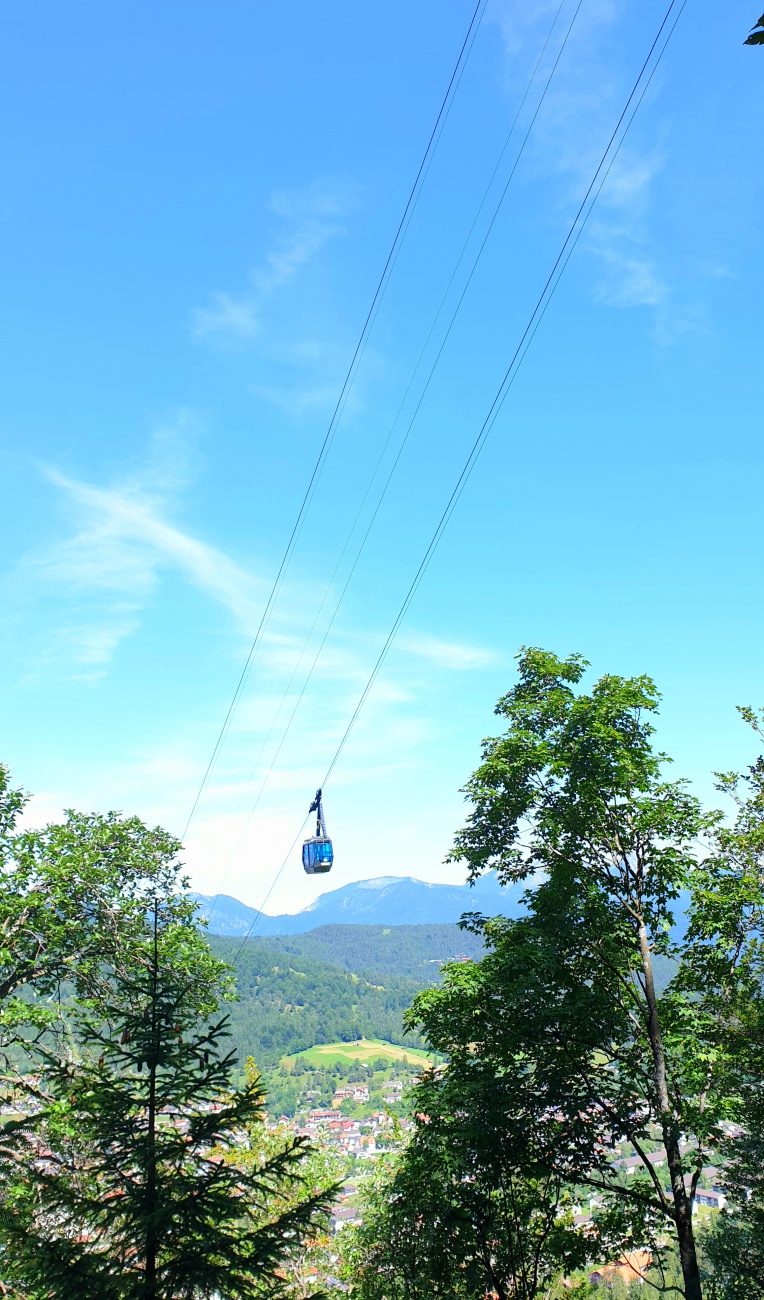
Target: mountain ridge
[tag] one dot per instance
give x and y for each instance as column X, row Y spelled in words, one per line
column 381, row 900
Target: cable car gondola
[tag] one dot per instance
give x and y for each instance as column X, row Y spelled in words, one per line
column 317, row 852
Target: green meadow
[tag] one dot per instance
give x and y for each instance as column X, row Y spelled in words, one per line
column 363, row 1050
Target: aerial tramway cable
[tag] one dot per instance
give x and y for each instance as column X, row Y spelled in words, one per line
column 539, row 311
column 609, row 155
column 379, row 292
column 433, row 367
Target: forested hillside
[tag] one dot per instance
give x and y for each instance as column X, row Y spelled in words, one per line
column 415, row 950
column 335, row 983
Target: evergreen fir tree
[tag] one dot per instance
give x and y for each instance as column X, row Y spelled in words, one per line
column 122, row 1186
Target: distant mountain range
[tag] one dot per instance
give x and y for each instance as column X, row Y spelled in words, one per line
column 386, row 900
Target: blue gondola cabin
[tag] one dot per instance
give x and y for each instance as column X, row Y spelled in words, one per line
column 317, row 852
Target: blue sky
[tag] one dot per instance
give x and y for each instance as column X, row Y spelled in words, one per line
column 196, row 203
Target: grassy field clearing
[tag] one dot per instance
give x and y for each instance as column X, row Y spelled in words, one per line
column 363, row 1050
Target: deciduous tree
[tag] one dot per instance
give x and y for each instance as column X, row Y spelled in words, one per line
column 72, row 894
column 463, row 1213
column 568, row 1005
column 727, row 924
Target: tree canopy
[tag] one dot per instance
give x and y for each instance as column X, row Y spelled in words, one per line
column 564, row 1017
column 463, row 1213
column 73, row 895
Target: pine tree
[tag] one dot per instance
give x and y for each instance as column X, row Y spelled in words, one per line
column 122, row 1186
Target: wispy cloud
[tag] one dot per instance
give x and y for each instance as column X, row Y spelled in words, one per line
column 297, row 401
column 523, row 26
column 121, row 543
column 622, row 237
column 637, row 282
column 581, row 108
column 89, row 647
column 227, row 315
column 96, row 579
column 446, row 654
column 282, row 321
column 125, row 542
column 309, row 218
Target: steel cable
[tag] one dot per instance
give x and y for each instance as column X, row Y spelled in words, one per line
column 542, row 304
column 346, row 386
column 417, row 408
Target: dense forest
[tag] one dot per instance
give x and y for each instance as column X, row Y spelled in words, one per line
column 418, row 951
column 334, row 984
column 337, row 983
column 286, row 1008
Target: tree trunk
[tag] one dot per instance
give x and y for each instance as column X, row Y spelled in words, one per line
column 150, row 1287
column 688, row 1257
